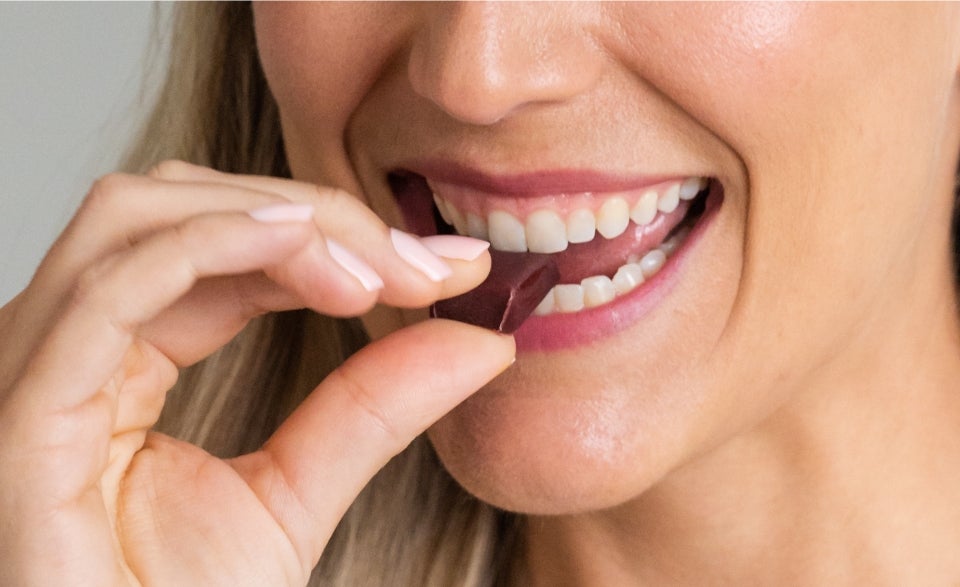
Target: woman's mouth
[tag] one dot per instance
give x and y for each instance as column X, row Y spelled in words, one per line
column 613, row 247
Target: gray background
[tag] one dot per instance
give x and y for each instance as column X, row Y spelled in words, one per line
column 70, row 97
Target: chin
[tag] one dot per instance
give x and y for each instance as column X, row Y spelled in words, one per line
column 543, row 441
column 564, row 461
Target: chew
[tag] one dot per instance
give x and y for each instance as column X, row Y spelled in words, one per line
column 517, row 283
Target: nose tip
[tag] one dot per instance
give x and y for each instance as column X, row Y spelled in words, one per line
column 481, row 62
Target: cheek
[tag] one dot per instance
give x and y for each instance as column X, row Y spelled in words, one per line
column 320, row 60
column 304, row 57
column 833, row 109
column 520, row 455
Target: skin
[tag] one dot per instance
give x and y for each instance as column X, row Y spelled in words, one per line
column 89, row 496
column 787, row 414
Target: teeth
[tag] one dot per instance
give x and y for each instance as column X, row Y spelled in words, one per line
column 546, row 306
column 581, row 226
column 477, row 227
column 691, row 187
column 546, row 232
column 568, row 297
column 506, row 232
column 670, row 245
column 645, row 210
column 652, row 262
column 613, row 217
column 456, row 219
column 669, row 200
column 443, row 208
column 627, row 277
column 599, row 289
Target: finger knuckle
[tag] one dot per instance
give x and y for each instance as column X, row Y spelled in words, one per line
column 333, row 197
column 95, row 294
column 372, row 410
column 88, row 285
column 108, row 193
column 184, row 238
column 245, row 300
column 170, row 170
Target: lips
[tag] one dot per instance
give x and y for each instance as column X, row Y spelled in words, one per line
column 611, row 241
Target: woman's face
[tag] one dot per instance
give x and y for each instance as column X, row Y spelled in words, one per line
column 828, row 133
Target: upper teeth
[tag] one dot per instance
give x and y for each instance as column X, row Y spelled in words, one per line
column 547, row 230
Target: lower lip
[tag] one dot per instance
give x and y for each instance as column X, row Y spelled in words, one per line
column 567, row 331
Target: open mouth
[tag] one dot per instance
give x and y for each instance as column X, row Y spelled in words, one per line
column 606, row 245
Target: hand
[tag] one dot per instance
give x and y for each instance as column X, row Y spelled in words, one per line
column 155, row 273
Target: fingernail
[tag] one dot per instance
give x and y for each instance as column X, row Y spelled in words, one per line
column 413, row 252
column 355, row 266
column 282, row 213
column 453, row 246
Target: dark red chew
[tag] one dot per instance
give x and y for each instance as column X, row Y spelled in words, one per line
column 517, row 283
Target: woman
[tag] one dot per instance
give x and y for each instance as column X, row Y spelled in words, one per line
column 749, row 381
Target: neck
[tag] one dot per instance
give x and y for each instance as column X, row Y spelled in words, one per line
column 854, row 482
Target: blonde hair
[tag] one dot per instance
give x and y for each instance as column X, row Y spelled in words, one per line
column 413, row 525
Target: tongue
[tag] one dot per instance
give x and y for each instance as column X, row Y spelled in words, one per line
column 516, row 284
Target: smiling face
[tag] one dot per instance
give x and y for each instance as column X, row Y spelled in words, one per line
column 824, row 136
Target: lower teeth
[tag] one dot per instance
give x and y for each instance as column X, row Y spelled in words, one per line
column 597, row 290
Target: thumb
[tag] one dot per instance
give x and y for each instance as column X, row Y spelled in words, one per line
column 362, row 415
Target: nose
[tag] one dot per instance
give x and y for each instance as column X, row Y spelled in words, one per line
column 483, row 61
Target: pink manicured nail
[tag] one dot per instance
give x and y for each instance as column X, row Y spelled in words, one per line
column 453, row 246
column 355, row 266
column 283, row 213
column 419, row 256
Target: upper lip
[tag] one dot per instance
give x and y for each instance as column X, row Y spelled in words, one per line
column 533, row 183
